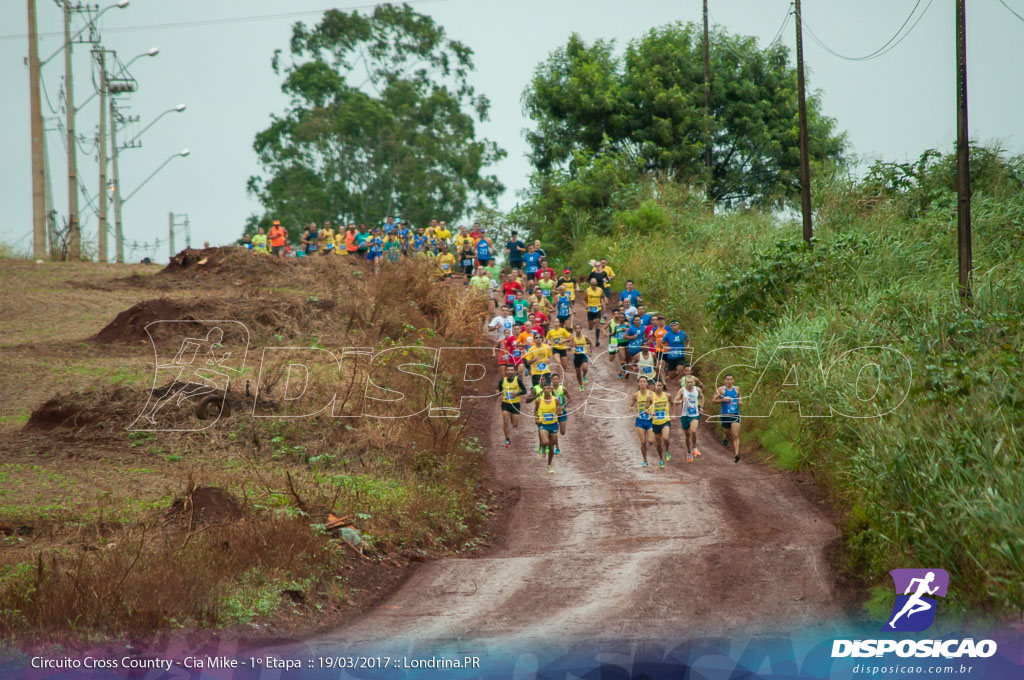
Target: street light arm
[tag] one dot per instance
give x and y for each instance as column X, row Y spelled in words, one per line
column 89, row 23
column 153, row 174
column 177, row 109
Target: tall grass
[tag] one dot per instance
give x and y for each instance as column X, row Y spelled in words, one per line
column 939, row 481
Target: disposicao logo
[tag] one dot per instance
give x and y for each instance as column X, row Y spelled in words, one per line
column 914, row 611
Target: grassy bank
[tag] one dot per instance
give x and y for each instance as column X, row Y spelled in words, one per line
column 931, row 472
column 106, row 532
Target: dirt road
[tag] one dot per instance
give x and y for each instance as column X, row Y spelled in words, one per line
column 605, row 548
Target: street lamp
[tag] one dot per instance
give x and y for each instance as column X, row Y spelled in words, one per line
column 90, row 24
column 177, row 109
column 182, row 153
column 151, row 52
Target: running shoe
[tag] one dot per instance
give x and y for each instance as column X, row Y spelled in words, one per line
column 551, row 470
column 581, row 386
column 725, row 442
column 668, row 456
column 558, row 451
column 689, row 457
column 540, row 450
column 506, row 442
column 621, row 376
column 585, row 380
column 736, row 459
column 661, row 463
column 696, row 451
column 643, row 464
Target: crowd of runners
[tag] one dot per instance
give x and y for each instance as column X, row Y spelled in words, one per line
column 545, row 325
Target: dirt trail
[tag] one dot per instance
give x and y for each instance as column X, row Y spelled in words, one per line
column 605, row 548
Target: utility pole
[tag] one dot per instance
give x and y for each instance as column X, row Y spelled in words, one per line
column 170, row 234
column 707, row 111
column 36, row 113
column 805, row 166
column 963, row 160
column 74, row 227
column 102, row 193
column 118, row 236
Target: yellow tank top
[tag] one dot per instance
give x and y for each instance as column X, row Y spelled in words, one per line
column 641, row 404
column 547, row 411
column 510, row 390
column 579, row 343
column 659, row 409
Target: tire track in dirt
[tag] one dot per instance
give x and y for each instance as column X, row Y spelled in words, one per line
column 607, row 549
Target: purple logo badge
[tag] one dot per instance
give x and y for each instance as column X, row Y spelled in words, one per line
column 915, row 608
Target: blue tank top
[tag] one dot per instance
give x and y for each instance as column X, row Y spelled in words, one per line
column 731, row 407
column 483, row 250
column 564, row 306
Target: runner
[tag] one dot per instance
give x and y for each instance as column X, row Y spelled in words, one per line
column 520, row 307
column 634, row 338
column 567, row 281
column 661, row 421
column 558, row 336
column 690, row 399
column 515, row 250
column 558, row 390
column 259, row 242
column 595, row 305
column 375, row 250
column 392, row 247
column 616, row 328
column 277, row 238
column 466, row 256
column 445, row 263
column 655, row 340
column 481, row 282
column 676, row 344
column 512, row 389
column 688, row 373
column 642, row 401
column 545, row 284
column 580, row 356
column 484, row 249
column 531, row 263
column 645, row 364
column 610, row 273
column 538, row 359
column 728, row 395
column 327, row 238
column 563, row 305
column 630, row 293
column 546, row 413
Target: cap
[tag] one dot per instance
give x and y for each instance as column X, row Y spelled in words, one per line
column 277, row 223
column 673, row 322
column 567, row 271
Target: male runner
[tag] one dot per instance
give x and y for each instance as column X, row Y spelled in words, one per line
column 531, row 263
column 580, row 357
column 690, row 399
column 558, row 390
column 558, row 336
column 642, row 401
column 515, row 250
column 502, row 322
column 538, row 359
column 567, row 281
column 563, row 305
column 484, row 250
column 594, row 296
column 661, row 420
column 546, row 412
column 630, row 293
column 445, row 263
column 676, row 345
column 728, row 395
column 512, row 389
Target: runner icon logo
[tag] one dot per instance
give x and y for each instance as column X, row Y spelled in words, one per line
column 914, row 610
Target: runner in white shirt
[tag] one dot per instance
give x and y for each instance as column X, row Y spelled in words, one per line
column 501, row 322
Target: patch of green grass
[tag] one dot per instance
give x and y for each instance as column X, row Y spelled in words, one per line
column 255, row 595
column 18, row 418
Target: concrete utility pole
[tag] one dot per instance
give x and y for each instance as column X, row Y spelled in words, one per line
column 36, row 113
column 707, row 110
column 118, row 236
column 805, row 166
column 170, row 233
column 102, row 193
column 963, row 160
column 74, row 227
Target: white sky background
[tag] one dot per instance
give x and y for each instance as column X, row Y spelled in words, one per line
column 893, row 107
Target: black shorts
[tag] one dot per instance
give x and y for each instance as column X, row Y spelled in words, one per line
column 561, row 352
column 658, row 428
column 277, row 250
column 515, row 264
column 484, row 263
column 579, row 359
column 563, row 318
column 592, row 316
column 467, row 270
column 671, row 363
column 531, row 276
column 511, row 408
column 728, row 419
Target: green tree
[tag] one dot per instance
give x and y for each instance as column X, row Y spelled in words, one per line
column 648, row 105
column 381, row 121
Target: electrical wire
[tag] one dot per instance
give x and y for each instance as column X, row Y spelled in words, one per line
column 227, row 20
column 1012, row 10
column 785, row 22
column 885, row 48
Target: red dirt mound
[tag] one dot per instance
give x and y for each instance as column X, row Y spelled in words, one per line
column 197, row 259
column 205, row 504
column 58, row 412
column 81, row 409
column 130, row 325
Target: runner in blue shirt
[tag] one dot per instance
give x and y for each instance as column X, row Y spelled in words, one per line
column 676, row 343
column 531, row 262
column 631, row 294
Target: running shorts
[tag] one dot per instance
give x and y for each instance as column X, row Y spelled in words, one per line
column 552, row 428
column 511, row 408
column 672, row 362
column 727, row 419
column 561, row 352
column 643, row 423
column 658, row 428
column 579, row 359
column 593, row 316
column 686, row 420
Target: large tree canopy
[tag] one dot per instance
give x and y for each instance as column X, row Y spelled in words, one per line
column 648, row 105
column 381, row 121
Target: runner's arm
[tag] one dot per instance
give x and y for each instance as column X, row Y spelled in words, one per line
column 717, row 399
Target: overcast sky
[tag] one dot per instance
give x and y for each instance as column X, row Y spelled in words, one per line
column 893, row 107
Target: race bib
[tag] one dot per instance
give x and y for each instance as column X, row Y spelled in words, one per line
column 467, row 263
column 444, row 266
column 531, row 269
column 644, row 415
column 647, row 370
column 613, row 344
column 548, row 417
column 518, row 353
column 580, row 349
column 509, row 396
column 660, row 415
column 595, row 310
column 691, row 411
column 542, row 366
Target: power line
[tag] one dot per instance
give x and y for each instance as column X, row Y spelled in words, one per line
column 785, row 22
column 885, row 48
column 226, row 20
column 1013, row 11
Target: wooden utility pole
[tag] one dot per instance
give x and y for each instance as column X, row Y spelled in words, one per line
column 170, row 234
column 963, row 159
column 36, row 134
column 118, row 235
column 805, row 166
column 707, row 112
column 101, row 194
column 74, row 227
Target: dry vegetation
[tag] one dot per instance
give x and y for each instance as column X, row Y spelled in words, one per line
column 110, row 532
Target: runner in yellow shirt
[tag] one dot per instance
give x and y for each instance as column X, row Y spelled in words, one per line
column 661, row 421
column 594, row 297
column 445, row 262
column 538, row 359
column 580, row 356
column 558, row 336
